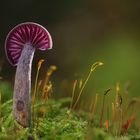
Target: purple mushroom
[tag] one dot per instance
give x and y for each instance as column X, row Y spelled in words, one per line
column 20, row 45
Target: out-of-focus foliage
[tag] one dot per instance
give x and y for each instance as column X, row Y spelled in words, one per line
column 83, row 32
column 5, row 89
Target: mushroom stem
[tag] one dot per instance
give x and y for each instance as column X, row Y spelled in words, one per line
column 22, row 88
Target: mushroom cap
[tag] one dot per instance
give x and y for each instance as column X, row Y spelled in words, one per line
column 26, row 33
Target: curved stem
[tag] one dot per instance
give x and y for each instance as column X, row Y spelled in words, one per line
column 93, row 67
column 22, row 88
column 82, row 88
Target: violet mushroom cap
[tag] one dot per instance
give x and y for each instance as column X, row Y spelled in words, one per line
column 26, row 33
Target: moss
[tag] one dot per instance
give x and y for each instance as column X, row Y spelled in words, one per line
column 54, row 121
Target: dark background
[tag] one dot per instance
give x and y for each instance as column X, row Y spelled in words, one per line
column 83, row 31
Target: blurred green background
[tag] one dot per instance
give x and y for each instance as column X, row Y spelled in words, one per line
column 83, row 31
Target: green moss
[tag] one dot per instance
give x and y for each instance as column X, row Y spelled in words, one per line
column 57, row 123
